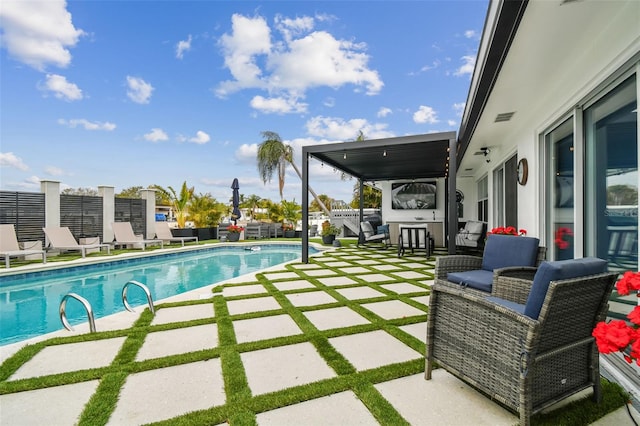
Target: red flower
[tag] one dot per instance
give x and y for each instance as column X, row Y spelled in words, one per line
column 559, row 241
column 629, row 281
column 613, row 336
column 635, row 350
column 235, row 228
column 634, row 316
column 509, row 230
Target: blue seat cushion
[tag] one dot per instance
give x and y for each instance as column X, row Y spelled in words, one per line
column 478, row 279
column 559, row 270
column 519, row 308
column 502, row 251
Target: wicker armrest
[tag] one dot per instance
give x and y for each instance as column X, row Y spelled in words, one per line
column 510, row 288
column 456, row 263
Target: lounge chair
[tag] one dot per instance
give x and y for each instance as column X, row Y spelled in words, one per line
column 367, row 234
column 528, row 355
column 163, row 232
column 472, row 236
column 9, row 246
column 61, row 238
column 123, row 235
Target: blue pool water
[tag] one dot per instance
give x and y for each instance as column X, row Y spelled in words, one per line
column 29, row 302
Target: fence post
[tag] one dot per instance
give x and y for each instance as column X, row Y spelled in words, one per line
column 51, row 191
column 108, row 211
column 150, row 196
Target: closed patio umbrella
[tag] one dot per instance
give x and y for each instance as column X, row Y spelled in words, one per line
column 236, row 214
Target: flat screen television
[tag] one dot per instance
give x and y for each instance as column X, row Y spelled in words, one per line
column 413, row 195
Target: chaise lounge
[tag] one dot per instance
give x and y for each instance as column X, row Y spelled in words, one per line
column 61, row 238
column 163, row 232
column 9, row 246
column 526, row 355
column 123, row 235
column 368, row 235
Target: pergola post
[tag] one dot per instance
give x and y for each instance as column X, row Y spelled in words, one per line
column 452, row 220
column 305, row 206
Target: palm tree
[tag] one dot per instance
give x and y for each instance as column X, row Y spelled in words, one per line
column 179, row 202
column 273, row 154
column 251, row 203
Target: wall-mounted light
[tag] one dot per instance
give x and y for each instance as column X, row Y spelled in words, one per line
column 384, row 153
column 344, row 157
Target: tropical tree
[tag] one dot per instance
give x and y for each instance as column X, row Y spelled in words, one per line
column 291, row 211
column 326, row 200
column 179, row 201
column 372, row 197
column 80, row 191
column 131, row 192
column 252, row 202
column 274, row 155
column 204, row 210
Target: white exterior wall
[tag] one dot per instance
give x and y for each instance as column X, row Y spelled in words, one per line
column 389, row 214
column 578, row 64
column 108, row 211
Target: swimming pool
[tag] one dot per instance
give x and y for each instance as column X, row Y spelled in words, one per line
column 29, row 302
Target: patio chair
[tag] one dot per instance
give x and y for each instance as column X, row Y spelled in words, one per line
column 123, row 235
column 414, row 237
column 9, row 246
column 163, row 232
column 526, row 356
column 472, row 236
column 367, row 234
column 504, row 255
column 61, row 238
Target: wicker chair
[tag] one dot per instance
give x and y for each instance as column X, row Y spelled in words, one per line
column 509, row 256
column 526, row 356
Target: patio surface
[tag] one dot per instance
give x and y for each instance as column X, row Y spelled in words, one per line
column 325, row 343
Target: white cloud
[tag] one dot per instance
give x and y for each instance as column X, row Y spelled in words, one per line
column 247, row 153
column 384, row 111
column 459, row 108
column 425, row 114
column 299, row 61
column 467, row 67
column 471, row 34
column 61, row 88
column 278, row 105
column 200, row 138
column 451, row 123
column 31, row 182
column 183, row 46
column 54, row 171
column 341, row 130
column 38, row 33
column 329, row 102
column 86, row 124
column 139, row 90
column 9, row 159
column 156, row 135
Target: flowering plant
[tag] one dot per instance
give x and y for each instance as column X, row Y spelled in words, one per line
column 559, row 239
column 618, row 335
column 508, row 230
column 235, row 228
column 287, row 227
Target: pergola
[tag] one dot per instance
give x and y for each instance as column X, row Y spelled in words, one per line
column 431, row 155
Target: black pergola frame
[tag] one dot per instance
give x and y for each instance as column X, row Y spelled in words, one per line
column 431, row 155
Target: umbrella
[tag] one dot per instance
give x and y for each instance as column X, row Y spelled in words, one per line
column 236, row 214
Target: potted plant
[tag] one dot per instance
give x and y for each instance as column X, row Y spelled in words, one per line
column 329, row 232
column 205, row 212
column 234, row 233
column 288, row 230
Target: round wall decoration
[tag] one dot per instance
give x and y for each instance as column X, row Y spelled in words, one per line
column 459, row 196
column 523, row 171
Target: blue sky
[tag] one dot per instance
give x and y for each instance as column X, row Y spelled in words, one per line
column 134, row 93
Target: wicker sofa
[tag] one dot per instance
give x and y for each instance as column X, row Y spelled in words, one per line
column 504, row 255
column 525, row 355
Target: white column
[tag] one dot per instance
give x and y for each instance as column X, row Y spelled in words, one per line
column 108, row 211
column 51, row 191
column 150, row 196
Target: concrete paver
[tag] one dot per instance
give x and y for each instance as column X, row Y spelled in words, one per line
column 327, row 319
column 392, row 309
column 179, row 341
column 254, row 329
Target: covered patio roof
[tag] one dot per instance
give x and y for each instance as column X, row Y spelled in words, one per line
column 431, row 155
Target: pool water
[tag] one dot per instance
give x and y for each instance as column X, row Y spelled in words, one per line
column 29, row 303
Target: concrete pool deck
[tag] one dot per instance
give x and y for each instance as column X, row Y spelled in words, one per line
column 344, row 321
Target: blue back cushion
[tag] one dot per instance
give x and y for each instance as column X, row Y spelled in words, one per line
column 501, row 251
column 559, row 270
column 383, row 229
